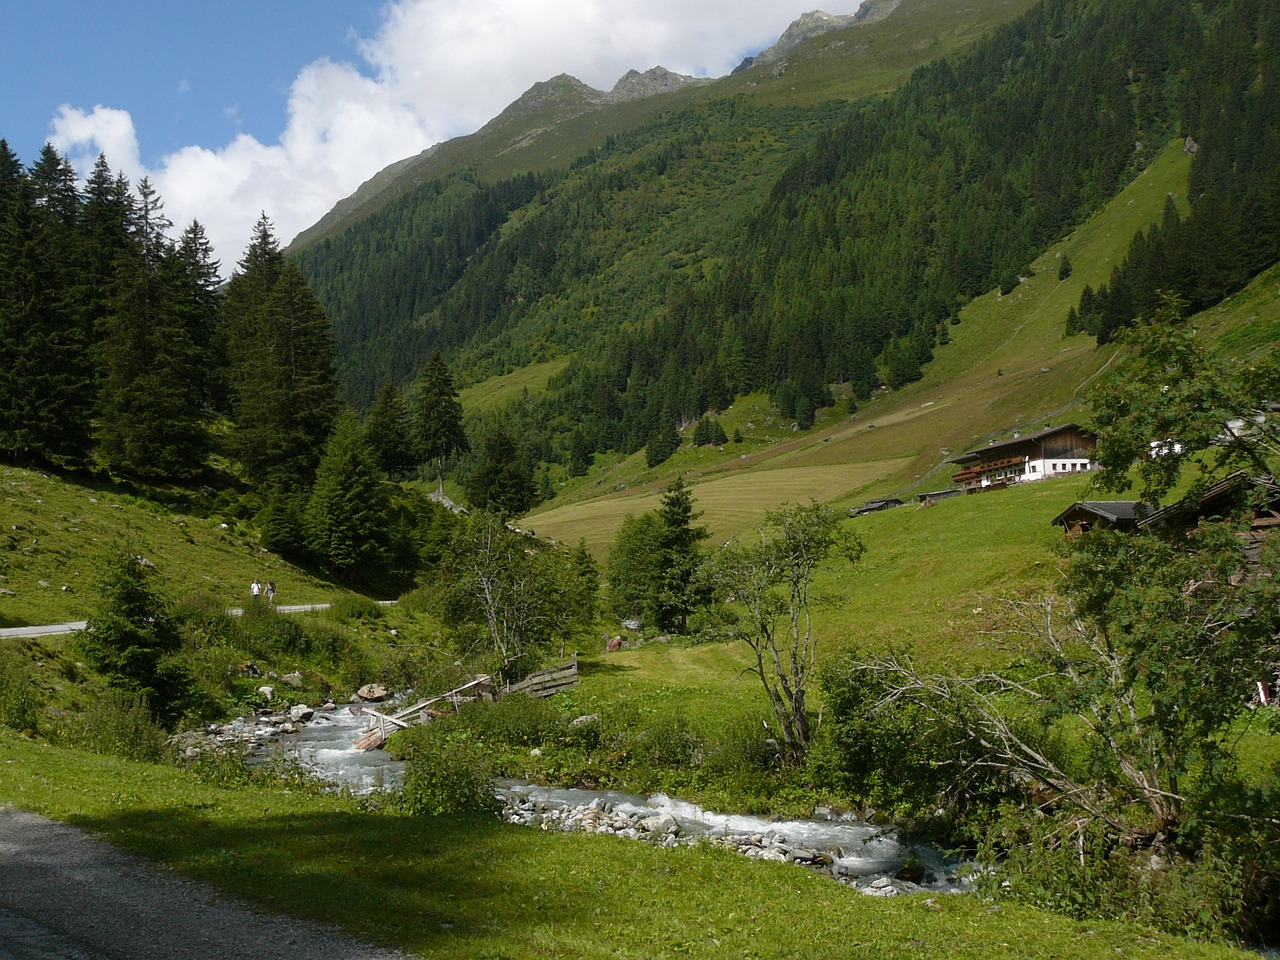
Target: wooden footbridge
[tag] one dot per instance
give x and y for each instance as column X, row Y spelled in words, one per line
column 543, row 683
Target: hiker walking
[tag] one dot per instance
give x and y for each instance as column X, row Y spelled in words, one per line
column 255, row 589
column 271, row 592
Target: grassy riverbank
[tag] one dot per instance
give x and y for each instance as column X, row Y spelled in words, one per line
column 475, row 888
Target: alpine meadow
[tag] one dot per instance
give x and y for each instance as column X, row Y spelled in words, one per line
column 882, row 437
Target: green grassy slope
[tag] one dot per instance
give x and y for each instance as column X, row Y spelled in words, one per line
column 55, row 533
column 1009, row 365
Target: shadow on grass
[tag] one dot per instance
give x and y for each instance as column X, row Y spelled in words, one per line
column 597, row 667
column 399, row 881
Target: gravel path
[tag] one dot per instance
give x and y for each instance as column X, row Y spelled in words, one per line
column 66, row 895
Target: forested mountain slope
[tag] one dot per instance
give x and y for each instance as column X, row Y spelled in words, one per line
column 736, row 245
column 559, row 119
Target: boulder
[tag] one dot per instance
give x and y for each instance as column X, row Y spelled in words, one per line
column 300, row 713
column 372, row 693
column 267, row 692
column 293, row 679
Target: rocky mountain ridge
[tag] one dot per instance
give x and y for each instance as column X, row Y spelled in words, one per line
column 563, row 99
column 814, row 24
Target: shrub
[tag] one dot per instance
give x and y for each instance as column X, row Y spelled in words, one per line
column 418, row 600
column 447, row 773
column 117, row 723
column 668, row 742
column 352, row 606
column 514, row 720
column 19, row 701
column 1076, row 868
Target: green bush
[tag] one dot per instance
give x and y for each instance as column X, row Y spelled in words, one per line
column 668, row 742
column 116, row 723
column 352, row 606
column 418, row 600
column 264, row 633
column 19, row 702
column 513, row 720
column 1077, row 868
column 447, row 773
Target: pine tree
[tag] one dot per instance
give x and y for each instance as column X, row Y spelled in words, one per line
column 201, row 304
column 678, row 540
column 389, row 431
column 281, row 363
column 502, row 482
column 241, row 320
column 151, row 424
column 438, row 416
column 346, row 518
column 132, row 635
column 46, row 389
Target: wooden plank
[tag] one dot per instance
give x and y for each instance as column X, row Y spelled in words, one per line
column 382, row 716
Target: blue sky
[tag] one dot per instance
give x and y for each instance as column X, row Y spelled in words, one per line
column 187, row 75
column 237, row 107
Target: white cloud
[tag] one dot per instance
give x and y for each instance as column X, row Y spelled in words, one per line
column 439, row 69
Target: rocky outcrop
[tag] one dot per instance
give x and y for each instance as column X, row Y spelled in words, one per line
column 814, row 24
column 245, row 735
column 638, row 86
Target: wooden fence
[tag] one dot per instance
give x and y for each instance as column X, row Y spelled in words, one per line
column 542, row 683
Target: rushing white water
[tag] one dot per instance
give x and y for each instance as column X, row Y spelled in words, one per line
column 326, row 746
column 860, row 849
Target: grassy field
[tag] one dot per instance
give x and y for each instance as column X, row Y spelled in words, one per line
column 451, row 888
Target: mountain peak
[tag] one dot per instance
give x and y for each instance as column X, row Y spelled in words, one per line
column 815, row 23
column 636, row 86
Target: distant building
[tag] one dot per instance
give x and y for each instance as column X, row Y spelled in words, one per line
column 1086, row 515
column 933, row 496
column 874, row 506
column 1049, row 453
column 1260, row 496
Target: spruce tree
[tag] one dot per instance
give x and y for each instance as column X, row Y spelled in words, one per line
column 201, row 305
column 438, row 417
column 346, row 519
column 46, row 389
column 678, row 540
column 389, row 431
column 150, row 422
column 284, row 397
column 502, row 482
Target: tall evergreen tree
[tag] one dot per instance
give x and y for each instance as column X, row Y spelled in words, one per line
column 678, row 540
column 201, row 306
column 286, row 397
column 502, row 482
column 10, row 174
column 241, row 309
column 438, row 416
column 346, row 519
column 150, row 422
column 46, row 391
column 390, row 432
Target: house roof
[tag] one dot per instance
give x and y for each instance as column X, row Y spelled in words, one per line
column 1205, row 503
column 1113, row 511
column 1148, row 517
column 1007, row 445
column 871, row 506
